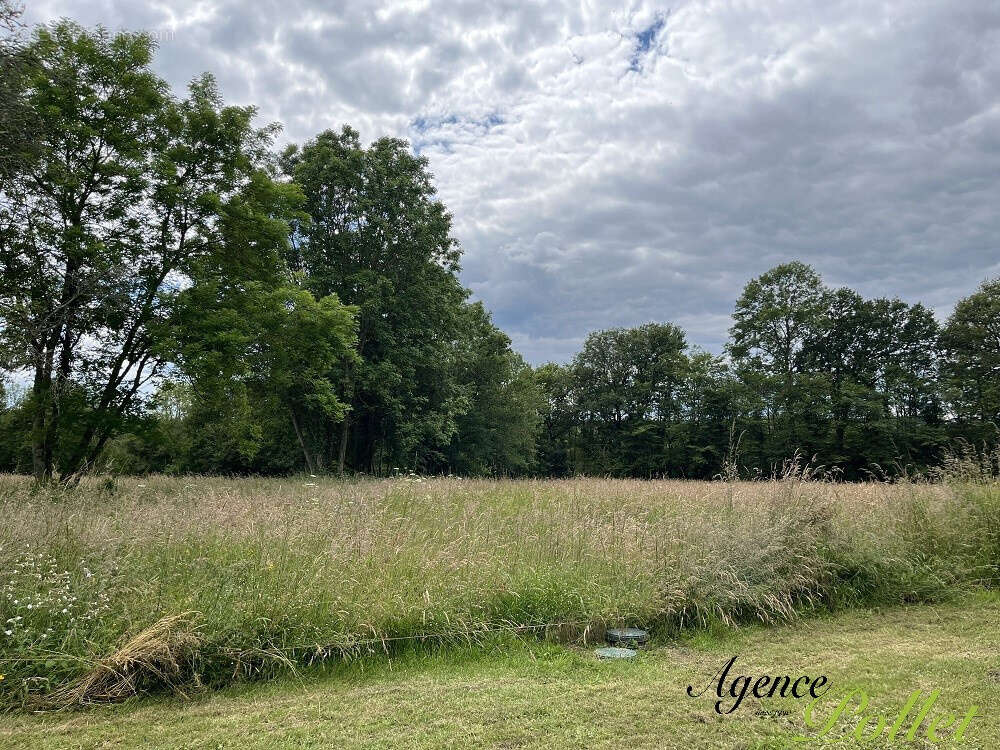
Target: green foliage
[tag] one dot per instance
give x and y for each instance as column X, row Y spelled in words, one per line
column 971, row 340
column 558, row 428
column 854, row 385
column 636, row 402
column 627, row 385
column 254, row 351
column 126, row 192
column 774, row 316
column 17, row 119
column 379, row 239
column 496, row 432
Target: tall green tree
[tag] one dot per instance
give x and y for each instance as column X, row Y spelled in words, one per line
column 627, row 384
column 710, row 420
column 559, row 426
column 379, row 239
column 496, row 433
column 843, row 353
column 971, row 342
column 259, row 354
column 259, row 358
column 876, row 360
column 636, row 402
column 775, row 316
column 126, row 189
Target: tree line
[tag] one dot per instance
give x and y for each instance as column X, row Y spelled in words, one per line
column 863, row 386
column 178, row 295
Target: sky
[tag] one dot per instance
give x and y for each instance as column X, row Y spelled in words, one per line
column 612, row 164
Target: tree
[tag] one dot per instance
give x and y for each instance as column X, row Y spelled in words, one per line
column 627, row 384
column 17, row 121
column 708, row 425
column 559, row 416
column 774, row 317
column 877, row 362
column 178, row 306
column 497, row 431
column 971, row 342
column 907, row 355
column 253, row 351
column 378, row 238
column 126, row 190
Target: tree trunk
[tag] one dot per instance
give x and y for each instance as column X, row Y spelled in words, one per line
column 40, row 467
column 345, row 427
column 344, row 434
column 302, row 443
column 41, row 433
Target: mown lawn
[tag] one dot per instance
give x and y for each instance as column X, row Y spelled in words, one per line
column 536, row 695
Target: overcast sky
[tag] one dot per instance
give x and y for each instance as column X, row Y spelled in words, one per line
column 611, row 164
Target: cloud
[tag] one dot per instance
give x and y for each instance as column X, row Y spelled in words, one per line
column 612, row 164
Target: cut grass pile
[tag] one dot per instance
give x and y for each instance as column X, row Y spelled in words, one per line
column 256, row 577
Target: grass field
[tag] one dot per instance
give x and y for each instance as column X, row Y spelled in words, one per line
column 171, row 583
column 532, row 695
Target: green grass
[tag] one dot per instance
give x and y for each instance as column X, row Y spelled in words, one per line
column 528, row 694
column 146, row 584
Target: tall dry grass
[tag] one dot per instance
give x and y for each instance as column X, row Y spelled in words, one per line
column 255, row 576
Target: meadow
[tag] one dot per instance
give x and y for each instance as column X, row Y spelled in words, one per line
column 131, row 585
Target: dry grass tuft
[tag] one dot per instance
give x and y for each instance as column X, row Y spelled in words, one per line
column 160, row 656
